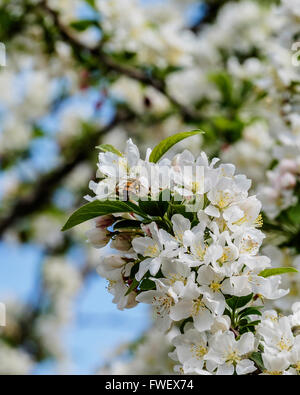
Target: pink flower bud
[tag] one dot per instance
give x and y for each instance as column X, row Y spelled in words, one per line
column 122, row 242
column 99, row 237
column 105, row 221
column 288, row 165
column 288, row 180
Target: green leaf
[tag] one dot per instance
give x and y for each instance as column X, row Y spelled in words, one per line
column 243, row 322
column 83, row 24
column 257, row 359
column 243, row 300
column 132, row 287
column 224, row 82
column 248, row 324
column 184, row 322
column 127, row 224
column 154, row 208
column 134, row 270
column 228, row 313
column 231, row 302
column 109, row 148
column 277, row 271
column 237, row 302
column 249, row 311
column 38, row 132
column 147, row 285
column 169, row 142
column 92, row 3
column 149, row 207
column 98, row 208
column 294, row 214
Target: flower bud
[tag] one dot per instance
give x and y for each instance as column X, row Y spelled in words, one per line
column 288, row 180
column 288, row 165
column 104, row 221
column 98, row 237
column 111, row 267
column 122, row 242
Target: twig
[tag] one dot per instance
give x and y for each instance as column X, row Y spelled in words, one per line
column 112, row 65
column 212, row 9
column 46, row 186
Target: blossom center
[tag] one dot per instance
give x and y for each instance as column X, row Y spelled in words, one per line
column 200, row 252
column 233, row 357
column 258, row 223
column 215, row 286
column 198, row 350
column 241, row 221
column 162, row 305
column 248, row 245
column 152, row 251
column 224, row 199
column 173, row 277
column 225, row 256
column 197, row 306
column 284, row 344
column 297, row 366
column 195, row 186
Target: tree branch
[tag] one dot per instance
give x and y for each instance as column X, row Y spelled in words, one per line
column 112, row 65
column 46, row 186
column 212, row 9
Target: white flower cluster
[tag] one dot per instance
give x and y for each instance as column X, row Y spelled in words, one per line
column 185, row 252
column 150, row 355
column 277, row 337
column 252, row 153
column 278, row 194
column 154, row 34
column 283, row 257
column 14, row 361
column 62, row 280
column 47, row 322
column 280, row 341
column 200, row 268
column 281, row 81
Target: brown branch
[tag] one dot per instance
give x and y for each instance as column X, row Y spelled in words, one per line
column 111, row 65
column 212, row 9
column 45, row 188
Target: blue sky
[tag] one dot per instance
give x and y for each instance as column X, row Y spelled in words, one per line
column 99, row 326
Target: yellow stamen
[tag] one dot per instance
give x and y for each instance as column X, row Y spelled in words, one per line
column 273, row 372
column 162, row 305
column 198, row 351
column 215, row 286
column 233, row 357
column 297, row 366
column 173, row 277
column 197, row 306
column 241, row 221
column 258, row 223
column 152, row 251
column 200, row 252
column 224, row 199
column 284, row 344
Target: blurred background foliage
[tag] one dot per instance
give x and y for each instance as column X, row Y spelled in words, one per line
column 84, row 72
